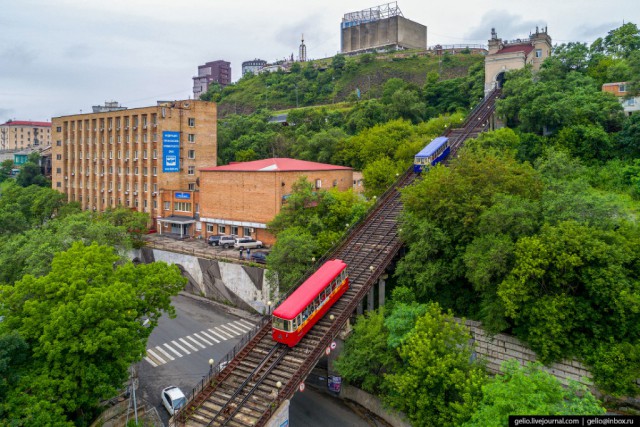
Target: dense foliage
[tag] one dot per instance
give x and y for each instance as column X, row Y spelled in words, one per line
column 75, row 331
column 419, row 359
column 72, row 308
column 530, row 390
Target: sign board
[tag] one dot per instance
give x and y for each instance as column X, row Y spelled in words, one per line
column 182, row 195
column 327, row 351
column 333, row 345
column 301, row 387
column 170, row 151
column 334, row 384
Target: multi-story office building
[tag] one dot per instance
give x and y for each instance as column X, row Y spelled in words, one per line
column 253, row 66
column 211, row 72
column 21, row 135
column 143, row 158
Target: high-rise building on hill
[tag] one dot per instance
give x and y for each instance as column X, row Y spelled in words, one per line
column 211, row 72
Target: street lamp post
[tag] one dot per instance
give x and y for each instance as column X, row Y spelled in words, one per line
column 211, row 362
column 269, row 307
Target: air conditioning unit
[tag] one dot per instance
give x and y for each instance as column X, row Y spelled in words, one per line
column 126, row 192
column 126, row 127
column 95, row 160
column 126, row 160
column 102, row 191
column 251, row 230
column 110, row 191
column 155, row 125
column 154, row 194
column 144, row 127
column 101, row 174
column 101, row 129
column 73, row 174
column 109, row 127
column 135, row 127
column 66, row 177
column 135, row 193
column 118, row 128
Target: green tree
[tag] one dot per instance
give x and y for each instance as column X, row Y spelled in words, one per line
column 438, row 383
column 380, row 174
column 83, row 325
column 366, row 356
column 30, row 174
column 291, row 257
column 530, row 390
column 623, row 41
column 5, row 169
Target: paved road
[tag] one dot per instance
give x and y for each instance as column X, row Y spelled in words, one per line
column 178, row 350
column 311, row 408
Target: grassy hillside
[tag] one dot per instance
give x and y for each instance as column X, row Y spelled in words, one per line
column 335, row 80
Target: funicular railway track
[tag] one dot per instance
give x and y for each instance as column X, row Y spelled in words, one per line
column 247, row 391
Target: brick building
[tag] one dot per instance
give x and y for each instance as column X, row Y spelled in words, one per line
column 242, row 198
column 211, row 72
column 143, row 158
column 21, row 135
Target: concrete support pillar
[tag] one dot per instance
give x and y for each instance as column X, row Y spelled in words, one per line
column 370, row 299
column 359, row 311
column 381, row 290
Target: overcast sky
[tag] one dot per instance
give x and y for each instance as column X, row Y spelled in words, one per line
column 59, row 57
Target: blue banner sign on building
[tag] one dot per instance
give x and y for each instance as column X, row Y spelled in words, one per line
column 170, row 151
column 182, row 195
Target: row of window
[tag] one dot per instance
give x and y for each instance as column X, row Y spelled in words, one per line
column 234, row 229
column 191, row 170
column 191, row 137
column 93, row 123
column 191, row 155
column 292, row 325
column 136, row 203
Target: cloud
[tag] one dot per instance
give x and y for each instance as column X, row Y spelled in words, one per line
column 78, row 51
column 507, row 25
column 6, row 114
column 592, row 32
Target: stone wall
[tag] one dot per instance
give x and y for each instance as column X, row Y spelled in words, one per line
column 241, row 285
column 501, row 347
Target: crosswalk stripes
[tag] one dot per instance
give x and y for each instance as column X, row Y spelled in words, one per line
column 169, row 351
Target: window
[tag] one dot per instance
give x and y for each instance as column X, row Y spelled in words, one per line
column 135, row 170
column 144, row 154
column 155, row 171
column 145, row 187
column 622, row 87
column 222, row 229
column 155, row 154
column 155, row 188
column 631, row 102
column 58, row 156
column 145, row 170
column 182, row 206
column 167, row 206
column 191, row 170
column 191, row 121
column 59, row 143
column 58, row 170
column 59, row 129
column 318, row 183
column 191, row 154
column 538, row 53
column 247, row 231
column 335, row 182
column 58, row 184
column 234, row 229
column 209, row 228
column 191, row 137
column 192, row 186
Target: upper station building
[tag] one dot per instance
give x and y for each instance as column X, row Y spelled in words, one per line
column 631, row 104
column 144, row 158
column 514, row 55
column 23, row 135
column 378, row 28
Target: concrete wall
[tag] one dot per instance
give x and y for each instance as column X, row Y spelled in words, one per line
column 241, row 285
column 373, row 404
column 384, row 32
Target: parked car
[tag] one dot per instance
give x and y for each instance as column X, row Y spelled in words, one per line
column 247, row 243
column 227, row 241
column 214, row 240
column 173, row 399
column 259, row 257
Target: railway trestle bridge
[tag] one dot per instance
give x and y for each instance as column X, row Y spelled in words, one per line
column 261, row 374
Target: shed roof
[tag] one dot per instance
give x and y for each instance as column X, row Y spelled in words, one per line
column 26, row 123
column 526, row 48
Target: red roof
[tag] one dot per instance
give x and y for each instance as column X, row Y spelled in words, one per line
column 276, row 164
column 310, row 289
column 526, row 48
column 27, row 123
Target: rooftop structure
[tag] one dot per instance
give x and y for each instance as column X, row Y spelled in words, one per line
column 107, row 107
column 380, row 28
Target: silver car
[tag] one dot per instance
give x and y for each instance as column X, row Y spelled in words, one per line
column 173, row 399
column 247, row 243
